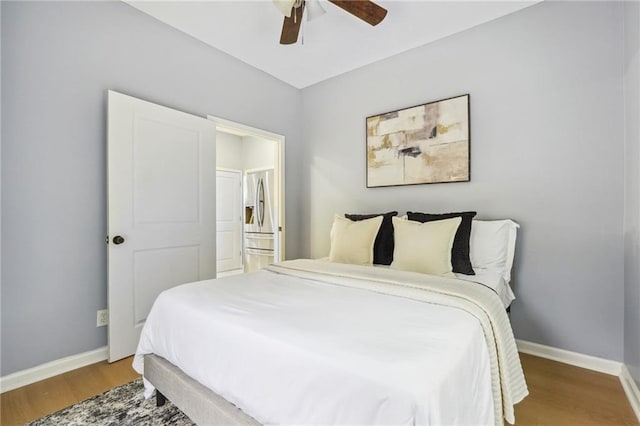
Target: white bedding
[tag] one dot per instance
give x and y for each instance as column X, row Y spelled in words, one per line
column 288, row 350
column 486, row 277
column 494, row 281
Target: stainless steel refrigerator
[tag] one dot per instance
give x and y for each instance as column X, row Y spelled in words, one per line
column 260, row 220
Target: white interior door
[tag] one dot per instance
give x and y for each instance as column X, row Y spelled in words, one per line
column 229, row 219
column 161, row 210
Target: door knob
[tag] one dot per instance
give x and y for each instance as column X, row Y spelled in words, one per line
column 118, row 240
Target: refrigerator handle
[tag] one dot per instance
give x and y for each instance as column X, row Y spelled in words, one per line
column 261, row 202
column 257, row 203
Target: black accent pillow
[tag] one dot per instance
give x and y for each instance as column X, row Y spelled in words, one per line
column 460, row 260
column 383, row 246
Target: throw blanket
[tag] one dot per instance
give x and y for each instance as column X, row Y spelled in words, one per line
column 508, row 383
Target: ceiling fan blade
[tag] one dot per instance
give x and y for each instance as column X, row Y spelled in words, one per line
column 366, row 10
column 291, row 26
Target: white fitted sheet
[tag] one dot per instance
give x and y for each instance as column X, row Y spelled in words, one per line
column 288, row 350
column 494, row 281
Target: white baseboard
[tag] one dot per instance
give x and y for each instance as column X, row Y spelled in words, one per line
column 589, row 362
column 53, row 368
column 631, row 389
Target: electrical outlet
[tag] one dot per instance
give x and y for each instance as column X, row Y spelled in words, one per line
column 103, row 318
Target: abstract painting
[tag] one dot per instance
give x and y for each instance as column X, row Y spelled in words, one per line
column 427, row 143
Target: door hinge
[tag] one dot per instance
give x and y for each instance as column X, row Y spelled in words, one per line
column 106, row 239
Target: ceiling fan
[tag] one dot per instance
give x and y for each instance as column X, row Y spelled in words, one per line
column 292, row 10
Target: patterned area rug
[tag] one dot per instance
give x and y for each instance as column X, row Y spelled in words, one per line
column 123, row 405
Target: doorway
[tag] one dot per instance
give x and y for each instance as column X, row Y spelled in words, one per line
column 162, row 217
column 259, row 156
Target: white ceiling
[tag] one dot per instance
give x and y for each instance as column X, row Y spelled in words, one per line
column 334, row 43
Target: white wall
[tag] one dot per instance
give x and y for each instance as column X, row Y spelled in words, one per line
column 632, row 188
column 547, row 149
column 244, row 152
column 258, row 153
column 229, row 151
column 58, row 60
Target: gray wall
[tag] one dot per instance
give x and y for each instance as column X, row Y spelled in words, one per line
column 546, row 150
column 0, row 166
column 632, row 189
column 58, row 61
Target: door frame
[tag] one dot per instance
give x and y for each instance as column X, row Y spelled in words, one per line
column 228, row 126
column 241, row 208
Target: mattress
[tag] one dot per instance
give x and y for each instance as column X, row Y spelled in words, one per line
column 292, row 349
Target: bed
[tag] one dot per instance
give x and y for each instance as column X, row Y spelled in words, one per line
column 323, row 342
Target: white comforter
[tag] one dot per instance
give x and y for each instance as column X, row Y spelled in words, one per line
column 288, row 347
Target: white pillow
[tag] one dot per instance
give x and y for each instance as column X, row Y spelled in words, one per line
column 352, row 241
column 494, row 281
column 424, row 247
column 492, row 246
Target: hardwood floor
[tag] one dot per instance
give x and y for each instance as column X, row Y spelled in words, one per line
column 560, row 394
column 48, row 396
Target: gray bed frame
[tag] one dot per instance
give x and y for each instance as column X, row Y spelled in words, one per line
column 201, row 404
